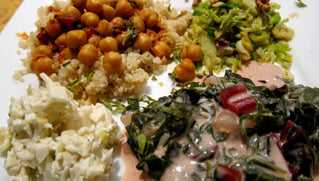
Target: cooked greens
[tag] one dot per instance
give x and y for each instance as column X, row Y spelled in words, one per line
column 234, row 31
column 286, row 119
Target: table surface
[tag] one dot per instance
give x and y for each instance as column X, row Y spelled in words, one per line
column 10, row 7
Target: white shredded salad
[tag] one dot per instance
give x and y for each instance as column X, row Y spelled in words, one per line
column 51, row 136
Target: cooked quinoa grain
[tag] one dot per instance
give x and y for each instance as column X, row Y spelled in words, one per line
column 77, row 42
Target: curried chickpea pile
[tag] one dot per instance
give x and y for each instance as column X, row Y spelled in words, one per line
column 88, row 29
column 185, row 70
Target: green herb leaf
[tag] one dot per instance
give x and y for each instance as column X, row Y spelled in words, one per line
column 89, row 76
column 300, row 4
column 113, row 106
column 72, row 84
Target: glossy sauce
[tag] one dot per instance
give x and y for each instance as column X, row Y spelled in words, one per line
column 264, row 74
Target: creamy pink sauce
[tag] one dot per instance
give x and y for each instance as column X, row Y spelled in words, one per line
column 279, row 160
column 130, row 161
column 264, row 74
column 128, row 157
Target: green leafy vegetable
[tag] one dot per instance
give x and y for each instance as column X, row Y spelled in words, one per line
column 234, row 31
column 300, row 4
column 286, row 118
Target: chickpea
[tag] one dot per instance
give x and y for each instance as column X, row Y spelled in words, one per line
column 104, row 28
column 79, row 3
column 53, row 28
column 143, row 42
column 138, row 23
column 44, row 50
column 108, row 44
column 73, row 12
column 137, row 2
column 120, row 40
column 112, row 62
column 192, row 51
column 90, row 19
column 76, row 38
column 60, row 42
column 124, row 9
column 152, row 34
column 42, row 64
column 66, row 53
column 161, row 49
column 94, row 6
column 185, row 70
column 88, row 54
column 108, row 12
column 116, row 21
column 150, row 18
column 94, row 40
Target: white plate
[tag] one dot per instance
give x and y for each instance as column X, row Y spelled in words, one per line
column 304, row 49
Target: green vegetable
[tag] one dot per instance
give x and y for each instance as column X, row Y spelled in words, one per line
column 113, row 106
column 300, row 4
column 251, row 34
column 286, row 117
column 73, row 83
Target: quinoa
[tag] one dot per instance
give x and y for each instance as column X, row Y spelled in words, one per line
column 89, row 83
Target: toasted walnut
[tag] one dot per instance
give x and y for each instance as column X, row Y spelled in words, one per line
column 224, row 47
column 263, row 5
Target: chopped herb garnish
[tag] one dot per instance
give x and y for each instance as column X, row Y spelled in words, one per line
column 137, row 5
column 154, row 78
column 113, row 106
column 66, row 64
column 72, row 84
column 89, row 77
column 300, row 4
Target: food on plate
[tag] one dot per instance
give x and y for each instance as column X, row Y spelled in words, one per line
column 104, row 49
column 233, row 32
column 51, row 137
column 226, row 128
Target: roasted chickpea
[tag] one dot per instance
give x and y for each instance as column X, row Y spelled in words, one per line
column 161, row 49
column 44, row 50
column 121, row 42
column 94, row 40
column 185, row 70
column 76, row 38
column 66, row 53
column 192, row 51
column 108, row 12
column 150, row 18
column 108, row 44
column 112, row 62
column 116, row 21
column 104, row 28
column 79, row 3
column 152, row 34
column 94, row 6
column 42, row 64
column 143, row 42
column 90, row 19
column 53, row 28
column 138, row 23
column 73, row 12
column 88, row 54
column 124, row 9
column 60, row 42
